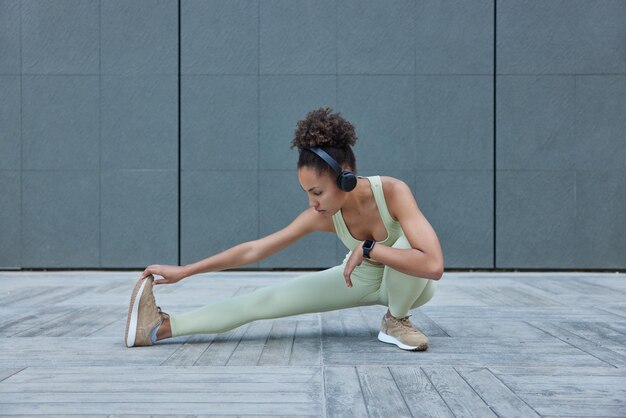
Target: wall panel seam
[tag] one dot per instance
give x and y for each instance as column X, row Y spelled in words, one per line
column 495, row 171
column 100, row 133
column 21, row 248
column 258, row 127
column 179, row 137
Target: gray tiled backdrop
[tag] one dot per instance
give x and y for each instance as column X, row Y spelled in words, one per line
column 89, row 126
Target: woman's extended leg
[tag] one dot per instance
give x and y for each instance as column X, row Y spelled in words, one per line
column 312, row 292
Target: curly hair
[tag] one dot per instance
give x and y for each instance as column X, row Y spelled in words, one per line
column 330, row 131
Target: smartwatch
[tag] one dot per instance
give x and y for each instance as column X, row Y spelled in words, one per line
column 367, row 247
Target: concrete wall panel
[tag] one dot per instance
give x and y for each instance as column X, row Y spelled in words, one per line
column 11, row 38
column 60, row 218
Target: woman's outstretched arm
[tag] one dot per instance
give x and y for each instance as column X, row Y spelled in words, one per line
column 242, row 254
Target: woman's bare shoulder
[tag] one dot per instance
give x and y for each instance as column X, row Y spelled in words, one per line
column 392, row 187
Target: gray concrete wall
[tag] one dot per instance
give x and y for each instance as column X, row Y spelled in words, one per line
column 561, row 134
column 91, row 127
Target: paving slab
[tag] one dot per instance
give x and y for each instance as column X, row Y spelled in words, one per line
column 501, row 345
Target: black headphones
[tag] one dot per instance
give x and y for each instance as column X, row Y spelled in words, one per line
column 346, row 180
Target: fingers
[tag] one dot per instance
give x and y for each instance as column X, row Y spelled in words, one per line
column 153, row 269
column 146, row 272
column 346, row 275
column 158, row 270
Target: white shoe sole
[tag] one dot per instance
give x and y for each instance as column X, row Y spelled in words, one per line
column 391, row 340
column 133, row 311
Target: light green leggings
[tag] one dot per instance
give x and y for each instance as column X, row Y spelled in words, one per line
column 312, row 292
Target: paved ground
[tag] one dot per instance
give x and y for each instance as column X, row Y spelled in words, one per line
column 501, row 345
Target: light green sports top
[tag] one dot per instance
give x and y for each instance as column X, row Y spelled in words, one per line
column 394, row 230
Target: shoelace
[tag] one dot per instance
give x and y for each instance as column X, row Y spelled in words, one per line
column 406, row 323
column 159, row 311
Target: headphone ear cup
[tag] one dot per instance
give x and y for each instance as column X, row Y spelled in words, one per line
column 346, row 181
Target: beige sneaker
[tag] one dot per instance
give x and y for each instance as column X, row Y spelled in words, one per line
column 402, row 333
column 143, row 314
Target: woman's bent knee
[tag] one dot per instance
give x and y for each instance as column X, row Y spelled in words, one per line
column 426, row 295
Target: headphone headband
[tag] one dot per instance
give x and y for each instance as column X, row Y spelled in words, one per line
column 346, row 180
column 329, row 160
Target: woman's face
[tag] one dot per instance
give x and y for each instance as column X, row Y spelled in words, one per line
column 324, row 195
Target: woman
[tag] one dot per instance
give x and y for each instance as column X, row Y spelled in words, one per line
column 394, row 259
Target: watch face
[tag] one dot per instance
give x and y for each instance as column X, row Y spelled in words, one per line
column 367, row 247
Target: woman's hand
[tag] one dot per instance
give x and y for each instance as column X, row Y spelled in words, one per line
column 355, row 260
column 170, row 274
